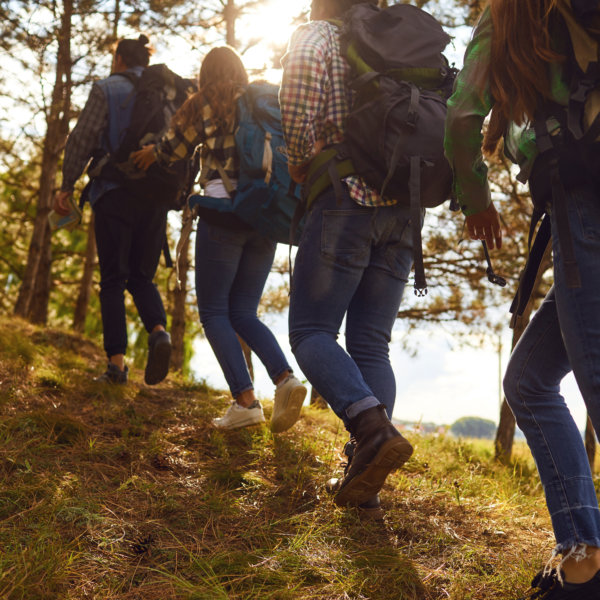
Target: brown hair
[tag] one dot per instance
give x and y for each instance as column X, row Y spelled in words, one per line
column 518, row 69
column 222, row 76
column 135, row 53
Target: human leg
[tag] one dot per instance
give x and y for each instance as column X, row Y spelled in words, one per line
column 149, row 234
column 562, row 335
column 246, row 291
column 336, row 249
column 373, row 309
column 218, row 252
column 579, row 317
column 113, row 242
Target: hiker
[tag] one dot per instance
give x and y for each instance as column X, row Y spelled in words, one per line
column 353, row 261
column 130, row 231
column 232, row 260
column 518, row 67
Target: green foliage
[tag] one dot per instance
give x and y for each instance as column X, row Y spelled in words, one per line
column 473, row 427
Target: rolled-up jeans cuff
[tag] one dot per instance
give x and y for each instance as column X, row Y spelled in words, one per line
column 354, row 409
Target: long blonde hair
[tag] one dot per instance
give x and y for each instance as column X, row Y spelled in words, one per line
column 518, row 73
column 222, row 76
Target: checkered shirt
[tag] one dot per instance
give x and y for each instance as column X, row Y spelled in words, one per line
column 315, row 100
column 179, row 144
column 85, row 138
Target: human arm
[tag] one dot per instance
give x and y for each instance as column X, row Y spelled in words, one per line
column 303, row 96
column 468, row 107
column 84, row 139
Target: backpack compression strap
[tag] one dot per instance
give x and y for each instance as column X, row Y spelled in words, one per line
column 327, row 168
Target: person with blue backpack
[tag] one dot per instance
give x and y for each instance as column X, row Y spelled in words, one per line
column 233, row 258
column 533, row 64
column 130, row 231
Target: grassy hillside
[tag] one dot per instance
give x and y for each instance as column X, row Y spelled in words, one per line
column 128, row 493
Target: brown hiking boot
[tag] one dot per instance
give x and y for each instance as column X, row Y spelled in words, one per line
column 379, row 450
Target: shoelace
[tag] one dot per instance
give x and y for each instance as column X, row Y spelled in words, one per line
column 543, row 583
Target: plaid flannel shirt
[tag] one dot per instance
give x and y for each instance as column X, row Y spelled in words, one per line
column 468, row 107
column 315, row 99
column 179, row 144
column 85, row 138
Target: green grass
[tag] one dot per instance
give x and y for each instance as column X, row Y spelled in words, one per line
column 128, row 493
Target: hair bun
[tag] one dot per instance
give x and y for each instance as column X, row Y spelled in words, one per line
column 143, row 39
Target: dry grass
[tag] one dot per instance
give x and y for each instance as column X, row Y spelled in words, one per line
column 128, row 493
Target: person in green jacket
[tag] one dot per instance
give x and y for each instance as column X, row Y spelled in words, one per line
column 515, row 67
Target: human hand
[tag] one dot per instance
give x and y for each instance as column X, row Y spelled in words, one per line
column 485, row 225
column 143, row 158
column 298, row 172
column 61, row 204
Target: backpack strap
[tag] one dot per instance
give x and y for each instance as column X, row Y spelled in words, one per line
column 529, row 273
column 327, row 168
column 414, row 188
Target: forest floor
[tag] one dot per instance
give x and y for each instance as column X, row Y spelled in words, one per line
column 129, row 493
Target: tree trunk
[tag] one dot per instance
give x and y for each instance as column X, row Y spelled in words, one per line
column 230, row 14
column 179, row 302
column 590, row 443
column 316, row 400
column 36, row 279
column 85, row 287
column 38, row 307
column 505, row 433
column 247, row 355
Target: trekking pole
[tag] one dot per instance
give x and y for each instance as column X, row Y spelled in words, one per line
column 492, row 277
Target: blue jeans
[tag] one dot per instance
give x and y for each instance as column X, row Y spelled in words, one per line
column 130, row 234
column 563, row 335
column 352, row 261
column 231, row 270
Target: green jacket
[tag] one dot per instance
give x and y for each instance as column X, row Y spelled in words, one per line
column 468, row 108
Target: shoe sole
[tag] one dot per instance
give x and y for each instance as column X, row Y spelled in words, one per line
column 157, row 366
column 239, row 424
column 392, row 455
column 290, row 412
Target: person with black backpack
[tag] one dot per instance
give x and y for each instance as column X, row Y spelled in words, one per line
column 130, row 230
column 533, row 64
column 356, row 250
column 233, row 259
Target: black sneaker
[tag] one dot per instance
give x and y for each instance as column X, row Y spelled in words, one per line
column 113, row 375
column 159, row 355
column 548, row 587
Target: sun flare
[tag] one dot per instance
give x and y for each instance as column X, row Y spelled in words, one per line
column 272, row 24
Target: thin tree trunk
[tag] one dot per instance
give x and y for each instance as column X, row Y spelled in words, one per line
column 590, row 443
column 505, row 433
column 316, row 400
column 248, row 356
column 36, row 279
column 85, row 287
column 38, row 307
column 230, row 14
column 179, row 303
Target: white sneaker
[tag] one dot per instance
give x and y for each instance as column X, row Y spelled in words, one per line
column 240, row 416
column 289, row 396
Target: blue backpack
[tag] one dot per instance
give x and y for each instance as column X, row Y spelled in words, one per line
column 265, row 197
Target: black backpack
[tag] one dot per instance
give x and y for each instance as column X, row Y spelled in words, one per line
column 395, row 128
column 569, row 155
column 159, row 92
